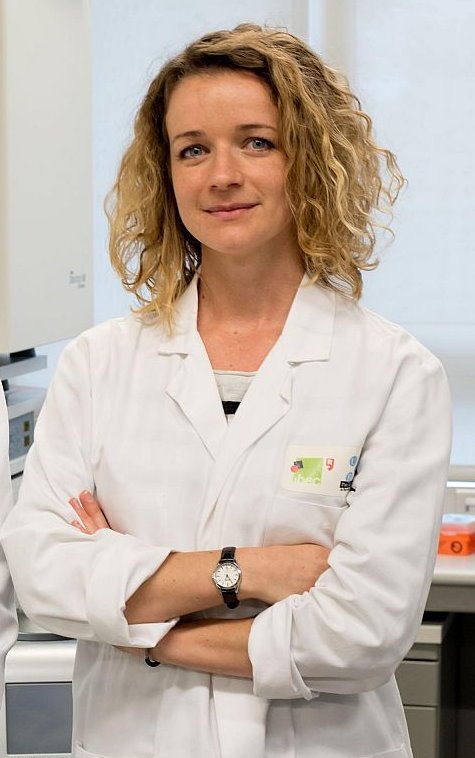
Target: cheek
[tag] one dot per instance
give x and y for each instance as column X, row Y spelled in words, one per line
column 275, row 187
column 281, row 203
column 179, row 187
column 183, row 197
column 186, row 198
column 181, row 205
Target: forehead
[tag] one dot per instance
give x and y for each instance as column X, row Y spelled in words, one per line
column 219, row 97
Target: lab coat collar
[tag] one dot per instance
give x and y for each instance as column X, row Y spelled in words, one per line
column 308, row 331
column 185, row 327
column 307, row 334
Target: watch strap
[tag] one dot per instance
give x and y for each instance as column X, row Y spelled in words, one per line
column 149, row 660
column 227, row 554
column 230, row 598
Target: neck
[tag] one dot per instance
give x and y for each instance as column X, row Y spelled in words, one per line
column 248, row 291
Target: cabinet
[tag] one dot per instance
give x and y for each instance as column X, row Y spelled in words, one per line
column 427, row 680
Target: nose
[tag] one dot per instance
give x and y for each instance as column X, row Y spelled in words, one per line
column 225, row 171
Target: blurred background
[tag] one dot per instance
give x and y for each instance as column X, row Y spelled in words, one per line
column 412, row 65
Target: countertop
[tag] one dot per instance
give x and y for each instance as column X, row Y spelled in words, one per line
column 453, row 584
column 456, row 569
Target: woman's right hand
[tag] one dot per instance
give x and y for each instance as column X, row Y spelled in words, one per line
column 91, row 517
column 273, row 573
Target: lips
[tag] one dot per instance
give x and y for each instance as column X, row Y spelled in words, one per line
column 230, row 211
column 228, row 207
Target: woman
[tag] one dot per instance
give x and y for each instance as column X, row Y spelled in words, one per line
column 270, row 565
column 8, row 623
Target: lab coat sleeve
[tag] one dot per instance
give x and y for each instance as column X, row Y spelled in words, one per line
column 349, row 633
column 8, row 622
column 74, row 584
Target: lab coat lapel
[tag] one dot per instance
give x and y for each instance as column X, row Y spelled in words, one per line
column 307, row 336
column 193, row 386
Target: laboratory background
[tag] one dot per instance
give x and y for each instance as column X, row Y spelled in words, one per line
column 72, row 75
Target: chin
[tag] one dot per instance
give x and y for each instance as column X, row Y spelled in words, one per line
column 229, row 247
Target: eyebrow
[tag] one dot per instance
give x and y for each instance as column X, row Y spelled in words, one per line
column 196, row 133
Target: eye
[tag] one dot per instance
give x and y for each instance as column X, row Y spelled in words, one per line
column 260, row 144
column 193, row 151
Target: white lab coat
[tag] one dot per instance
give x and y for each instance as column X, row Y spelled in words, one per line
column 8, row 622
column 136, row 414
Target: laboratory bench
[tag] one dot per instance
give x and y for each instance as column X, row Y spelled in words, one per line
column 453, row 585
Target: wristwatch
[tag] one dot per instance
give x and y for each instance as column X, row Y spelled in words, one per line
column 227, row 576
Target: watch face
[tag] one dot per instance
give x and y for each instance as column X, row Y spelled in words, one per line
column 227, row 575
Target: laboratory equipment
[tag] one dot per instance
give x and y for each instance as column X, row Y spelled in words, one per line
column 45, row 172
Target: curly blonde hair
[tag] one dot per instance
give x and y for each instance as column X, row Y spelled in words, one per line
column 338, row 180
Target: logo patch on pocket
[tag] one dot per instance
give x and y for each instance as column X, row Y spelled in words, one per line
column 307, row 469
column 327, row 470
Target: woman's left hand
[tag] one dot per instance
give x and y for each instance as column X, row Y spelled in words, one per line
column 91, row 517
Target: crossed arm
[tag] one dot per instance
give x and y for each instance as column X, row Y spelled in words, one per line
column 183, row 585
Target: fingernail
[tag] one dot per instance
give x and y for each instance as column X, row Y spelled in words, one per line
column 86, row 495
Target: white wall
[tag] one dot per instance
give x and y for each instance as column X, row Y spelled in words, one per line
column 413, row 65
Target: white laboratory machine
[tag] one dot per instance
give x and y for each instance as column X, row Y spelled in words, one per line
column 45, row 172
column 45, row 293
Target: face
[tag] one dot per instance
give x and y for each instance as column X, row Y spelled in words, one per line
column 226, row 165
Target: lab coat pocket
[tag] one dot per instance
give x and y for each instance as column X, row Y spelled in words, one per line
column 296, row 518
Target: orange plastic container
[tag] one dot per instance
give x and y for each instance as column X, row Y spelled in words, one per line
column 457, row 534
